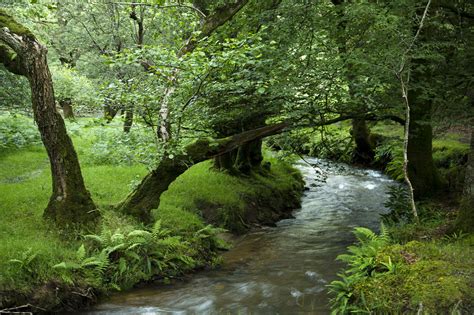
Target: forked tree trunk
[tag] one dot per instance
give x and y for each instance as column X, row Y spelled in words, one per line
column 70, row 202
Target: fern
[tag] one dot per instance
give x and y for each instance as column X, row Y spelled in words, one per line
column 362, row 263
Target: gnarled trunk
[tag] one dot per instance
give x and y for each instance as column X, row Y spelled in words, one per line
column 147, row 195
column 242, row 160
column 70, row 202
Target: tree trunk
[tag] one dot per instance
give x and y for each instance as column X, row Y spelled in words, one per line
column 70, row 202
column 465, row 220
column 147, row 195
column 128, row 122
column 421, row 168
column 242, row 160
column 110, row 112
column 363, row 152
column 66, row 105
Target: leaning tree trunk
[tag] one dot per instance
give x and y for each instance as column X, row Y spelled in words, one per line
column 21, row 53
column 465, row 220
column 146, row 196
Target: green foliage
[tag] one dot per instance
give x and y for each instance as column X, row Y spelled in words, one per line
column 71, row 85
column 17, row 131
column 390, row 154
column 110, row 145
column 118, row 260
column 363, row 262
column 393, row 273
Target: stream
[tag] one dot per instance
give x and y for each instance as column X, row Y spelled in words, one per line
column 278, row 270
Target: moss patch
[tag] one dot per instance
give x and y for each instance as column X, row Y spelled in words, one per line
column 437, row 275
column 234, row 203
column 15, row 27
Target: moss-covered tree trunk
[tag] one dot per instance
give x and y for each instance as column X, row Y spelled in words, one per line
column 146, row 196
column 70, row 202
column 465, row 220
column 421, row 168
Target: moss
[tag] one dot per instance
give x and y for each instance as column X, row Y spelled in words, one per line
column 234, row 202
column 15, row 27
column 439, row 275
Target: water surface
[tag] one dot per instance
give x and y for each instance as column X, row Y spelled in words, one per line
column 280, row 270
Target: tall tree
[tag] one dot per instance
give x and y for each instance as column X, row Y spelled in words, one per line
column 23, row 54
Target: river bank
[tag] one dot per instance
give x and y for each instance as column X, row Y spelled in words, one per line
column 46, row 270
column 281, row 269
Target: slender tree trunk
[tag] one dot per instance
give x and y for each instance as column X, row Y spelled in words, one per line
column 209, row 24
column 70, row 202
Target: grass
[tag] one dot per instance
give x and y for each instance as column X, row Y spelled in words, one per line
column 224, row 199
column 30, row 247
column 25, row 187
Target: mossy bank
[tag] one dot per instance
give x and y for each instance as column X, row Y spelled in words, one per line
column 59, row 270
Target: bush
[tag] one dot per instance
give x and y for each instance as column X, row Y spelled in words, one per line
column 17, row 131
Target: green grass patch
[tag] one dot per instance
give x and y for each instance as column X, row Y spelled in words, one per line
column 229, row 201
column 42, row 265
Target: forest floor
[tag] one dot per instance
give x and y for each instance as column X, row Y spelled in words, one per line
column 51, row 269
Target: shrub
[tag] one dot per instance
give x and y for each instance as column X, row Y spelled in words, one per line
column 17, row 131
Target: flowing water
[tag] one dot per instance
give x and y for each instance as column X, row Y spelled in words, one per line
column 280, row 270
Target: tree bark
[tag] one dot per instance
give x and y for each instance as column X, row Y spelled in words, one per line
column 147, row 195
column 421, row 169
column 128, row 122
column 363, row 152
column 465, row 220
column 70, row 202
column 66, row 105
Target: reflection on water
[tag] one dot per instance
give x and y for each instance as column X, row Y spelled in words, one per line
column 281, row 270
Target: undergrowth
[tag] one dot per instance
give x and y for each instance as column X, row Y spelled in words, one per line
column 409, row 268
column 42, row 265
